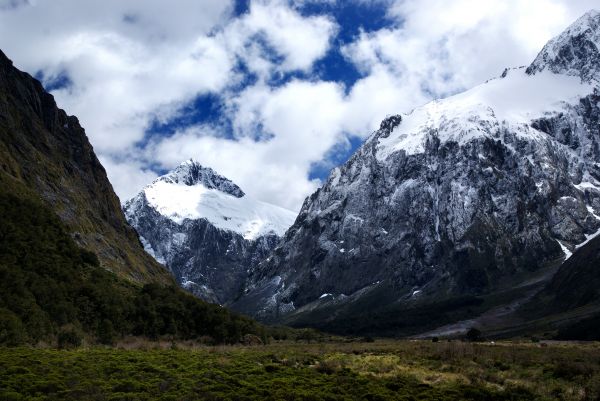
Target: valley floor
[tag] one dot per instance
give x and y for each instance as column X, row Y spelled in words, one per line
column 382, row 370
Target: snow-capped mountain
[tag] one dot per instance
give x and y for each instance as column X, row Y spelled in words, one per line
column 462, row 196
column 205, row 229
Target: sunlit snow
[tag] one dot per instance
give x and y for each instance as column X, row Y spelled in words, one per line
column 249, row 217
column 516, row 99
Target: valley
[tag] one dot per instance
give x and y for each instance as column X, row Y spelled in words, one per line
column 334, row 369
column 449, row 250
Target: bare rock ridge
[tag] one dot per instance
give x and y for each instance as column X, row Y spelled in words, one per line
column 576, row 51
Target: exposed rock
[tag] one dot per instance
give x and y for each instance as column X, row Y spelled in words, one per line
column 205, row 229
column 458, row 197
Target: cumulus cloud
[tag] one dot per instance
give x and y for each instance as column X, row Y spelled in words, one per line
column 299, row 122
column 445, row 47
column 299, row 40
column 125, row 60
column 126, row 64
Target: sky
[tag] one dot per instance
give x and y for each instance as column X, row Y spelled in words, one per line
column 270, row 93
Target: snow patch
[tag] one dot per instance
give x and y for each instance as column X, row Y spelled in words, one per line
column 516, row 99
column 586, row 185
column 148, row 248
column 249, row 217
column 565, row 250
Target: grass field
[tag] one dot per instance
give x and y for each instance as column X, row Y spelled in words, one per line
column 383, row 370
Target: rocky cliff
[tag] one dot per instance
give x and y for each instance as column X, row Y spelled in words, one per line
column 48, row 151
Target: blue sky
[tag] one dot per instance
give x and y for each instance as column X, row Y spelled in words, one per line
column 270, row 93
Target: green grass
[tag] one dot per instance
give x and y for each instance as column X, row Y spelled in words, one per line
column 391, row 370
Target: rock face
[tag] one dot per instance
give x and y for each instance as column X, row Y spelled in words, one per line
column 205, row 229
column 48, row 151
column 574, row 52
column 460, row 196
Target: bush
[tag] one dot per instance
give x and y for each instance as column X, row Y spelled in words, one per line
column 474, row 335
column 251, row 339
column 69, row 338
column 106, row 332
column 12, row 331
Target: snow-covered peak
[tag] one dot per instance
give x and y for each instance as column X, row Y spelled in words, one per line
column 192, row 173
column 192, row 192
column 576, row 51
column 513, row 101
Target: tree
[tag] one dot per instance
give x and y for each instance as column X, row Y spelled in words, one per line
column 106, row 332
column 474, row 334
column 12, row 331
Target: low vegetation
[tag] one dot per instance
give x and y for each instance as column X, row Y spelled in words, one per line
column 380, row 370
column 53, row 292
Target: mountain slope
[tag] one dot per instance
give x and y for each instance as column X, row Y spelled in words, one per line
column 205, row 229
column 463, row 197
column 53, row 291
column 568, row 307
column 54, row 199
column 49, row 153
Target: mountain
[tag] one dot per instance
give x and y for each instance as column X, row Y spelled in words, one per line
column 450, row 208
column 205, row 229
column 568, row 307
column 71, row 268
column 47, row 151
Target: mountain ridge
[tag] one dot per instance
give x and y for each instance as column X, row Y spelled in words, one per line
column 205, row 229
column 457, row 198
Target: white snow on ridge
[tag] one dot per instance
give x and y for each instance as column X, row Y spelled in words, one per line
column 249, row 217
column 516, row 99
column 565, row 250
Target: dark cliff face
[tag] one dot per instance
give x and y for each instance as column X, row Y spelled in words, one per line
column 483, row 202
column 48, row 150
column 577, row 282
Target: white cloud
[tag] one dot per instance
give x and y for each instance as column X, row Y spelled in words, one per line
column 132, row 62
column 302, row 121
column 129, row 175
column 301, row 40
column 446, row 47
column 125, row 60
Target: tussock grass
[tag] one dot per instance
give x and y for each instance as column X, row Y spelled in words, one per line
column 382, row 370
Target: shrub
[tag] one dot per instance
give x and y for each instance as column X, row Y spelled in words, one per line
column 69, row 338
column 12, row 331
column 251, row 339
column 474, row 334
column 47, row 281
column 106, row 332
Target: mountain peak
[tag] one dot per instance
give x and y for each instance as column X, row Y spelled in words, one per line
column 191, row 173
column 576, row 51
